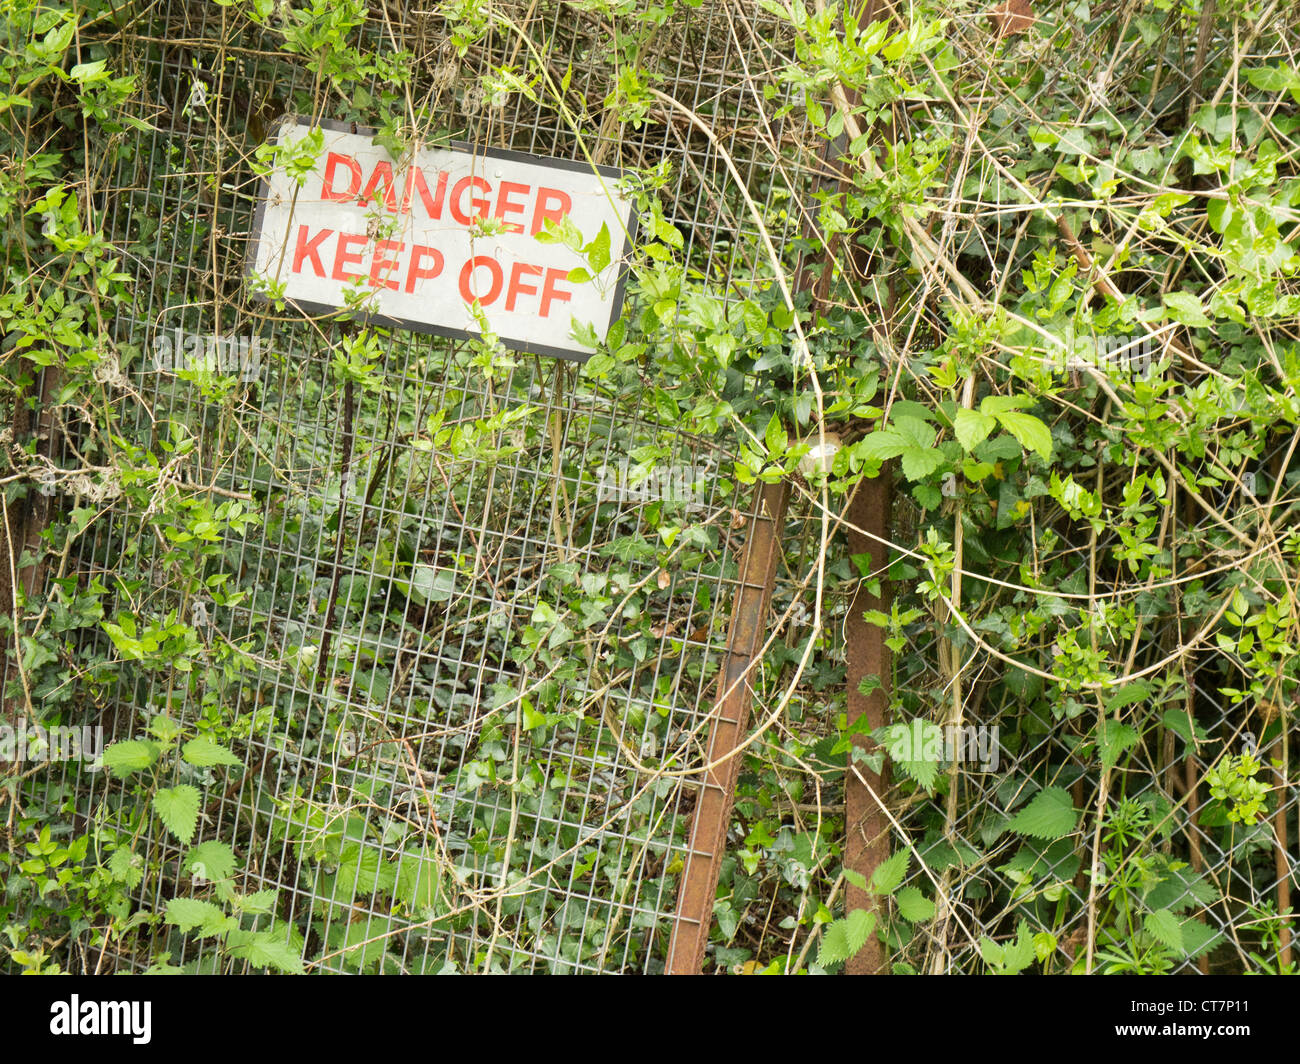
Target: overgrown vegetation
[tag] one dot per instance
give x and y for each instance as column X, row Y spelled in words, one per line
column 391, row 684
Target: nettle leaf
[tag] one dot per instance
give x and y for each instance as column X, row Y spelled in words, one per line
column 204, row 753
column 265, row 949
column 1183, row 889
column 1012, row 957
column 916, row 749
column 359, row 951
column 210, row 861
column 913, row 905
column 1165, row 928
column 842, row 939
column 1019, row 955
column 258, row 903
column 1049, row 815
column 889, row 874
column 417, row 880
column 178, row 808
column 972, row 428
column 190, row 914
column 990, row 952
column 132, row 755
column 1113, row 738
column 1198, row 938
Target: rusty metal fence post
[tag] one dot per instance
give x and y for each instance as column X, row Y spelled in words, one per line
column 866, row 827
column 708, row 842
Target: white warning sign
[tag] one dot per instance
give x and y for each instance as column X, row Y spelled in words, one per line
column 539, row 243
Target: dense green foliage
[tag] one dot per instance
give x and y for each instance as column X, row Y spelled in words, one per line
column 1060, row 309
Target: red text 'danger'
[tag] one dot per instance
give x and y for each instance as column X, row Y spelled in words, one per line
column 466, row 200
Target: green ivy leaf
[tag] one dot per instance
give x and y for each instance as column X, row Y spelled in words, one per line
column 1186, row 308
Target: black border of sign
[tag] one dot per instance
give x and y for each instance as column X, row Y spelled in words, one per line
column 383, row 321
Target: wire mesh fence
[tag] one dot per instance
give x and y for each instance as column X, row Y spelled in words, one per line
column 418, row 798
column 468, row 607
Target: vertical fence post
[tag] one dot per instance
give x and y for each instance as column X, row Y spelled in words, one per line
column 866, row 826
column 730, row 722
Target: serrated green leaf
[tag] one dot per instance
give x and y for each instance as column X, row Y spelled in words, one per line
column 1029, row 432
column 131, row 755
column 994, row 405
column 841, row 939
column 417, row 880
column 913, row 905
column 124, row 867
column 360, row 953
column 972, row 428
column 265, row 949
column 260, row 902
column 1198, row 938
column 889, row 874
column 1049, row 815
column 1019, row 955
column 202, row 752
column 991, row 952
column 919, row 463
column 210, row 861
column 178, row 808
column 202, row 917
column 916, row 749
column 1165, row 929
column 1177, row 721
column 1113, row 738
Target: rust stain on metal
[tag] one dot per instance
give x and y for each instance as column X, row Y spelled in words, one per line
column 1012, row 17
column 730, row 723
column 866, row 842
